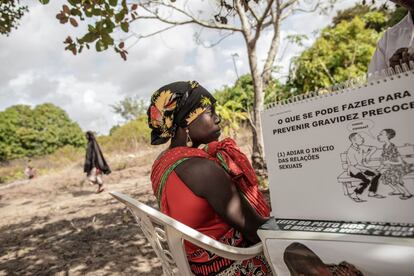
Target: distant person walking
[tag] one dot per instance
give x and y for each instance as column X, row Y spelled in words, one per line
column 95, row 163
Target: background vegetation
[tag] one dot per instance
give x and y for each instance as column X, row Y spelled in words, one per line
column 47, row 137
column 27, row 132
column 343, row 50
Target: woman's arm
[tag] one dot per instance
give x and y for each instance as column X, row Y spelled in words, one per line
column 207, row 179
column 396, row 161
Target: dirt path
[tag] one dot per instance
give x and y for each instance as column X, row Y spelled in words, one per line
column 57, row 225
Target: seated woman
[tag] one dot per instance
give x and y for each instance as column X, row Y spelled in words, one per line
column 213, row 190
column 393, row 167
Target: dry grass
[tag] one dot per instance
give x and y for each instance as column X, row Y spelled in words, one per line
column 120, row 156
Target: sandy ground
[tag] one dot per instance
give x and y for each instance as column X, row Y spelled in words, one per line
column 57, row 225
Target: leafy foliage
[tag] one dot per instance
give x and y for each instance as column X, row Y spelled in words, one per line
column 103, row 17
column 128, row 137
column 39, row 131
column 10, row 14
column 61, row 158
column 340, row 53
column 231, row 117
column 235, row 103
column 242, row 92
column 348, row 14
column 397, row 15
column 344, row 49
column 130, row 108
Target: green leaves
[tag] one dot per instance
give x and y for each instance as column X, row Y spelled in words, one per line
column 341, row 52
column 74, row 2
column 231, row 115
column 120, row 16
column 32, row 132
column 242, row 92
column 105, row 16
column 107, row 40
column 125, row 26
column 130, row 108
column 10, row 14
column 101, row 46
column 89, row 37
column 113, row 3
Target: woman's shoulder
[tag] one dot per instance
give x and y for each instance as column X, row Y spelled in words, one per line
column 196, row 172
column 175, row 156
column 198, row 165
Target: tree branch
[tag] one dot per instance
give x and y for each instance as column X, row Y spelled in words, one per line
column 246, row 27
column 249, row 119
column 253, row 12
column 274, row 45
column 262, row 19
column 199, row 41
column 288, row 4
column 192, row 19
column 327, row 71
column 265, row 13
column 314, row 9
column 164, row 20
column 139, row 36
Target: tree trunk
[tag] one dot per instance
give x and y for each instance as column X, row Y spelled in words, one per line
column 271, row 55
column 257, row 147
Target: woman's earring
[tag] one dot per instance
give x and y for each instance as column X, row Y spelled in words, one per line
column 189, row 142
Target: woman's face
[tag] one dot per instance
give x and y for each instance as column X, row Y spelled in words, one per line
column 205, row 128
column 382, row 136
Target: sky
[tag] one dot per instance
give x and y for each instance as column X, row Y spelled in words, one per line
column 35, row 68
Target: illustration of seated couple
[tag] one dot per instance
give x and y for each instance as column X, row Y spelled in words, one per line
column 390, row 172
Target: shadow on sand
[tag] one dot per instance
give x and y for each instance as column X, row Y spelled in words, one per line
column 101, row 244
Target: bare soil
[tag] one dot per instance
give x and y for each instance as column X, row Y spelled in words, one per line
column 58, row 225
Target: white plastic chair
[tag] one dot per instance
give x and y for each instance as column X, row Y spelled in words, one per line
column 161, row 230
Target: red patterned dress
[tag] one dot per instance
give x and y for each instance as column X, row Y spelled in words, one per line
column 179, row 202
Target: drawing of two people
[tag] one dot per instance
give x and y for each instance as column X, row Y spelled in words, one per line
column 391, row 170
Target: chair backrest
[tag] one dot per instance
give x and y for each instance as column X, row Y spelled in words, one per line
column 166, row 236
column 407, row 150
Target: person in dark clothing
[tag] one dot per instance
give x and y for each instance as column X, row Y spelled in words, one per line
column 357, row 156
column 95, row 163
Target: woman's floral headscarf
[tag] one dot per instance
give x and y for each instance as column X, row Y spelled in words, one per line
column 176, row 104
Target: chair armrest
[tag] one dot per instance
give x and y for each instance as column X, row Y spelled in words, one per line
column 216, row 247
column 190, row 234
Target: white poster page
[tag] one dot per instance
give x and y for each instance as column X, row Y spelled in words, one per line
column 291, row 257
column 344, row 156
